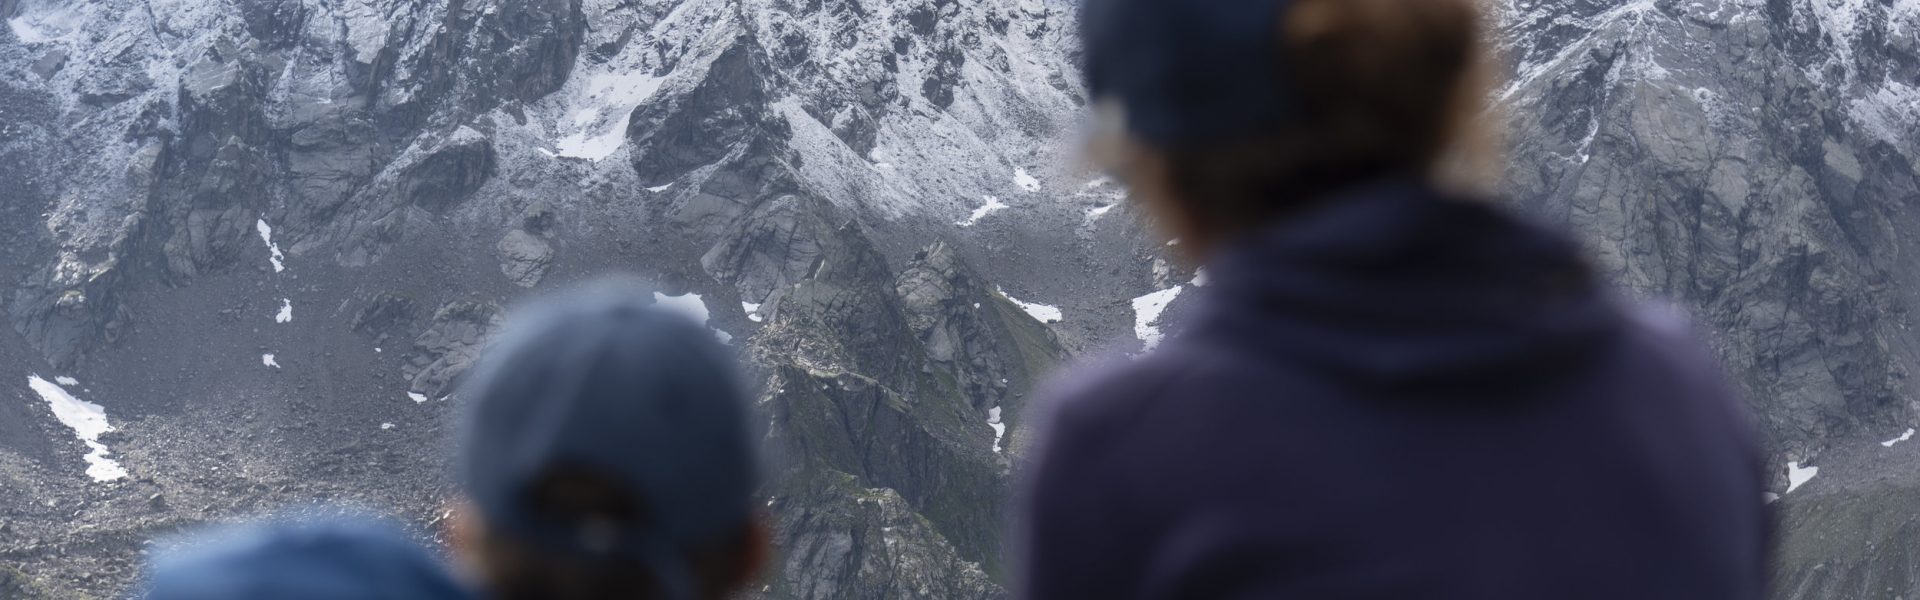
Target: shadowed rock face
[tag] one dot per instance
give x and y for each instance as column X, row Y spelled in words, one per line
column 1754, row 162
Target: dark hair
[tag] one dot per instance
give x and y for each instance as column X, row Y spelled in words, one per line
column 1385, row 87
column 513, row 568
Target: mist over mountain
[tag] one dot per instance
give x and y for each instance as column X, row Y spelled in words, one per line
column 248, row 247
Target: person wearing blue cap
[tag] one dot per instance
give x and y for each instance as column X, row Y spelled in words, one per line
column 608, row 452
column 332, row 558
column 1390, row 387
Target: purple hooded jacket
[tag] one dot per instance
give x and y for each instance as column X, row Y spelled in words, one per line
column 1400, row 395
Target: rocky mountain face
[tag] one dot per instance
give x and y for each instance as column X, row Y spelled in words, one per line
column 263, row 239
column 249, row 247
column 1754, row 162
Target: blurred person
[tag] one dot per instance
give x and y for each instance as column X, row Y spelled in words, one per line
column 607, row 452
column 1390, row 387
column 334, row 558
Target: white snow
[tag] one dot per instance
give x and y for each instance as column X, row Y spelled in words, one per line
column 66, row 381
column 1843, row 22
column 267, row 359
column 417, row 397
column 386, row 426
column 689, row 305
column 993, row 204
column 1890, row 113
column 601, row 123
column 273, row 250
column 1040, row 312
column 752, row 310
column 999, row 428
column 1094, row 214
column 1903, row 437
column 1025, row 181
column 286, row 311
column 366, row 29
column 1199, row 278
column 1146, row 311
column 1798, row 475
column 87, row 420
column 660, row 188
column 47, row 25
column 693, row 307
column 26, row 32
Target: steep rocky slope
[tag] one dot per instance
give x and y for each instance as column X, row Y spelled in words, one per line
column 1755, row 162
column 264, row 238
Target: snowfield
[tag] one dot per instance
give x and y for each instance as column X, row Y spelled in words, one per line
column 1146, row 313
column 86, row 419
column 1043, row 313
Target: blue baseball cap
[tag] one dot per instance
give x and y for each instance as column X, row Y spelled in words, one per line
column 333, row 558
column 599, row 380
column 1189, row 71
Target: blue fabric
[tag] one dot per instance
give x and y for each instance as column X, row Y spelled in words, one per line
column 599, row 380
column 1400, row 395
column 327, row 559
column 1189, row 71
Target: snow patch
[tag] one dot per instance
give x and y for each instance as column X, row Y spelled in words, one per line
column 1043, row 313
column 1798, row 475
column 46, row 25
column 1146, row 312
column 999, row 428
column 752, row 310
column 87, row 420
column 1094, row 214
column 1903, row 437
column 689, row 305
column 26, row 32
column 366, row 29
column 660, row 188
column 600, row 123
column 1890, row 113
column 273, row 250
column 66, row 381
column 1199, row 278
column 693, row 307
column 386, row 426
column 267, row 360
column 993, row 204
column 1025, row 181
column 286, row 311
column 417, row 397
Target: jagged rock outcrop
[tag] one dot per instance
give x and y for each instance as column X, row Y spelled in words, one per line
column 1755, row 163
column 1762, row 185
column 990, row 347
column 290, row 224
column 524, row 257
column 863, row 179
column 450, row 344
column 846, row 541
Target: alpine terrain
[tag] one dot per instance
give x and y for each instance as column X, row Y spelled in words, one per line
column 248, row 247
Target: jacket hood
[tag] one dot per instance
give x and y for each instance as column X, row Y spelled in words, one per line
column 1395, row 287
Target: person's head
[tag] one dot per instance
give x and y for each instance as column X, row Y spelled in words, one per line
column 313, row 559
column 1223, row 115
column 608, row 452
